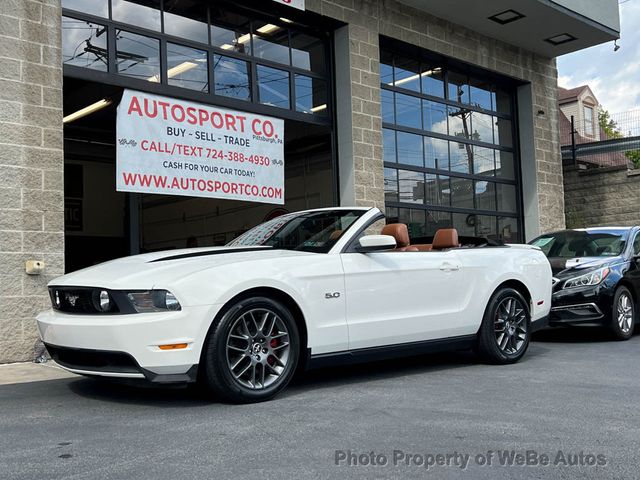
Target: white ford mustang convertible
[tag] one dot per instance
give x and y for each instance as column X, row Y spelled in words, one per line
column 304, row 290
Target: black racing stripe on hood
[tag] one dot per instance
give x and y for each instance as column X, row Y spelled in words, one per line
column 212, row 252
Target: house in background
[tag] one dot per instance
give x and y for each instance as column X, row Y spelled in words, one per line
column 583, row 105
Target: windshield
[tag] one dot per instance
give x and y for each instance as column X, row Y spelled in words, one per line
column 307, row 231
column 583, row 243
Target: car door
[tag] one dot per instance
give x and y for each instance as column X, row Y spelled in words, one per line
column 633, row 273
column 398, row 297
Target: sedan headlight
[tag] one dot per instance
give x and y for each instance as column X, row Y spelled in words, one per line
column 153, row 301
column 592, row 278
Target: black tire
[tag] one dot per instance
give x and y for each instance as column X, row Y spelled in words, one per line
column 622, row 329
column 216, row 373
column 487, row 343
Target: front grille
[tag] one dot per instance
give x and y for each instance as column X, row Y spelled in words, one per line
column 94, row 360
column 84, row 300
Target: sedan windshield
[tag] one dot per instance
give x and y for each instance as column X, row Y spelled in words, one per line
column 306, row 231
column 583, row 243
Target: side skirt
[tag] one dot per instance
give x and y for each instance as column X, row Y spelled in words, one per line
column 370, row 354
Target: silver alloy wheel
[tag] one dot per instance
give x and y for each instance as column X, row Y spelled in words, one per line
column 258, row 348
column 625, row 313
column 510, row 325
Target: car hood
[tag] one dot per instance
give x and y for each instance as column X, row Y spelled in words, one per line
column 569, row 267
column 158, row 269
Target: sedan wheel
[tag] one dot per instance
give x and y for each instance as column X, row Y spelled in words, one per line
column 506, row 328
column 623, row 315
column 251, row 351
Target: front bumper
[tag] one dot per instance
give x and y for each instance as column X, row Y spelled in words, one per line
column 127, row 346
column 586, row 306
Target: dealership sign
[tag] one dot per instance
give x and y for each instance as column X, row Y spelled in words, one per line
column 299, row 4
column 176, row 147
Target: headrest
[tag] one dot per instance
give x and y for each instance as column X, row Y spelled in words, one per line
column 445, row 238
column 399, row 231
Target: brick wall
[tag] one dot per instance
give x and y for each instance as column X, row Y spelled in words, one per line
column 601, row 197
column 368, row 19
column 31, row 167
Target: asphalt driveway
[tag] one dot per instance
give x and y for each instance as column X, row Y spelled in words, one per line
column 573, row 398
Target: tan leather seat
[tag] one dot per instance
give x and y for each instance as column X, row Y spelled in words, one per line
column 422, row 247
column 335, row 235
column 400, row 232
column 445, row 238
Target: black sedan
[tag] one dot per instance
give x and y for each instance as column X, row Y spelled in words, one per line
column 596, row 277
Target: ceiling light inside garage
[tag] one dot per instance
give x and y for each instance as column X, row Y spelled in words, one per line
column 505, row 17
column 264, row 30
column 172, row 72
column 88, row 110
column 411, row 78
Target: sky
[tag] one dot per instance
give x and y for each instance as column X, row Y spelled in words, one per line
column 614, row 77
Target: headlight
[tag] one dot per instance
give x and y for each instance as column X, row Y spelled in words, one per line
column 153, row 301
column 592, row 278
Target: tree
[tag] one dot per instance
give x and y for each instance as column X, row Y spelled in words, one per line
column 611, row 129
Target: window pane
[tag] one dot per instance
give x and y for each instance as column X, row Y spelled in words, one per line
column 414, row 220
column 459, row 122
column 388, row 109
column 391, row 214
column 234, row 35
column 481, row 94
column 483, row 161
column 485, row 195
column 271, row 42
column 436, row 153
column 408, row 111
column 433, row 81
column 503, row 133
column 386, row 68
column 503, row 102
column 187, row 67
column 434, row 117
column 231, row 77
column 438, row 190
column 141, row 13
column 508, row 229
column 486, row 226
column 410, row 149
column 407, row 74
column 84, row 44
column 188, row 21
column 460, row 157
column 389, row 145
column 461, row 192
column 506, row 197
column 482, row 127
column 273, row 86
column 411, row 186
column 307, row 52
column 99, row 8
column 465, row 223
column 311, row 95
column 390, row 185
column 138, row 56
column 458, row 88
column 437, row 220
column 504, row 165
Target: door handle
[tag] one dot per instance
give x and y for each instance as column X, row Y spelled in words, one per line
column 449, row 267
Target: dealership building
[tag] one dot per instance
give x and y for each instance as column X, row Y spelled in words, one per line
column 225, row 114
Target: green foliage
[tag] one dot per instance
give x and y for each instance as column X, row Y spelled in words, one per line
column 610, row 127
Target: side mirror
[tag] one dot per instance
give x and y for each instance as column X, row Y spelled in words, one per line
column 376, row 243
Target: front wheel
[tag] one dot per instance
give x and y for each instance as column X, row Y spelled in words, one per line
column 506, row 328
column 251, row 352
column 623, row 314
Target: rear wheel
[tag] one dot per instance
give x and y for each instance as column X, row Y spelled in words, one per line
column 623, row 314
column 251, row 352
column 506, row 328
